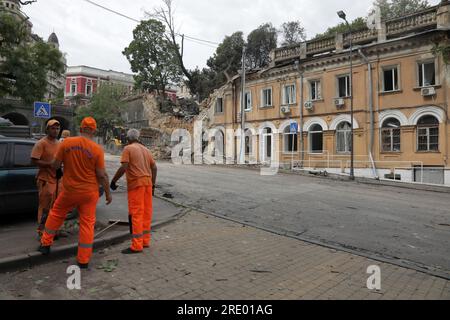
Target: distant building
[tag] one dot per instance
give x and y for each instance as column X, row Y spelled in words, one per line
column 56, row 82
column 83, row 81
column 13, row 7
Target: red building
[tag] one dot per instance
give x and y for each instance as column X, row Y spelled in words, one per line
column 83, row 81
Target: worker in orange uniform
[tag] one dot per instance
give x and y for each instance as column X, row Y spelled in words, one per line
column 84, row 168
column 140, row 168
column 47, row 178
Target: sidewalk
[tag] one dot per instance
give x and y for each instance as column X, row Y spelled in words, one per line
column 204, row 257
column 22, row 233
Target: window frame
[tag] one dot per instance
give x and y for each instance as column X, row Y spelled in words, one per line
column 263, row 96
column 347, row 84
column 294, row 94
column 90, row 84
column 247, row 100
column 397, row 86
column 5, row 163
column 317, row 91
column 286, row 136
column 310, row 136
column 391, row 135
column 421, row 67
column 73, row 84
column 347, row 144
column 216, row 111
column 427, row 128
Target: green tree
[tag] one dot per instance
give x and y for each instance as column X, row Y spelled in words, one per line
column 25, row 61
column 260, row 42
column 152, row 58
column 397, row 8
column 106, row 107
column 292, row 33
column 227, row 59
column 357, row 24
column 222, row 66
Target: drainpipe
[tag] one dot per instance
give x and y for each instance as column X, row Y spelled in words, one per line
column 302, row 155
column 372, row 122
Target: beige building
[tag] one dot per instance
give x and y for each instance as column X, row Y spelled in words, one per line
column 400, row 102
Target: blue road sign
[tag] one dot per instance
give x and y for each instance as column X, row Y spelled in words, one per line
column 42, row 110
column 294, row 127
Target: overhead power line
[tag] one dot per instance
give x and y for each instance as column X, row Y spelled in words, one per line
column 112, row 11
column 188, row 38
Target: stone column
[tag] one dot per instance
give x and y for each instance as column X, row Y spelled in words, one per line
column 443, row 14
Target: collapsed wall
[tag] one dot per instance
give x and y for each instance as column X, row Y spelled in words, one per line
column 157, row 120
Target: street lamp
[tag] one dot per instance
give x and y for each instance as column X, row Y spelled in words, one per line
column 343, row 16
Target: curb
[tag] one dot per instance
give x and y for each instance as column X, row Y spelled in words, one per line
column 336, row 177
column 30, row 260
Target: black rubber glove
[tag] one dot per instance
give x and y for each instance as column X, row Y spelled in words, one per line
column 113, row 186
column 59, row 174
column 153, row 190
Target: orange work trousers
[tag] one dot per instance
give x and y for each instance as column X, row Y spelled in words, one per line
column 140, row 207
column 47, row 195
column 86, row 203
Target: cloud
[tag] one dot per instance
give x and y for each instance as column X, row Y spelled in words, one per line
column 94, row 37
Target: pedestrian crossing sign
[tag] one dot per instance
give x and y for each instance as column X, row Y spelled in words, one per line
column 42, row 110
column 294, row 127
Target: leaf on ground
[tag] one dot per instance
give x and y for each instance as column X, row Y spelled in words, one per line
column 109, row 265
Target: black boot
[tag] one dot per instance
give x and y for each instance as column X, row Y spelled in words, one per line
column 129, row 251
column 45, row 250
column 83, row 265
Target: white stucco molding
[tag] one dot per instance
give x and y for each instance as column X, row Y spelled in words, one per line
column 427, row 111
column 267, row 125
column 343, row 118
column 396, row 114
column 314, row 121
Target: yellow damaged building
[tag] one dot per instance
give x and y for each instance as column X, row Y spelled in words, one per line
column 298, row 109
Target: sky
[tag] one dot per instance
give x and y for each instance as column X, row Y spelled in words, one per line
column 95, row 37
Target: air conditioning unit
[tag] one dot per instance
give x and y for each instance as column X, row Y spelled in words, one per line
column 285, row 109
column 339, row 102
column 309, row 105
column 430, row 91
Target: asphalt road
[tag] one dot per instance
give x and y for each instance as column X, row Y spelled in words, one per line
column 407, row 226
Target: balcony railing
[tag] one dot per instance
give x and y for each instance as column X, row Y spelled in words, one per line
column 422, row 20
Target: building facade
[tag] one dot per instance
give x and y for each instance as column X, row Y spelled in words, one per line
column 56, row 82
column 298, row 113
column 82, row 82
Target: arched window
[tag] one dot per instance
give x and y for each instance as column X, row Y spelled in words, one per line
column 428, row 134
column 248, row 142
column 344, row 137
column 316, row 139
column 290, row 140
column 390, row 135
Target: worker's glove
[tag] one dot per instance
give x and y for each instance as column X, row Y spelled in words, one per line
column 153, row 190
column 113, row 186
column 59, row 174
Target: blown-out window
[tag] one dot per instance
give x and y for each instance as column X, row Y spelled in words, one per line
column 316, row 139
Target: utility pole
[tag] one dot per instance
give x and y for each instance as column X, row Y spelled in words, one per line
column 343, row 16
column 243, row 100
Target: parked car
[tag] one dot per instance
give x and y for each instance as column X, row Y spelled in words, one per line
column 18, row 191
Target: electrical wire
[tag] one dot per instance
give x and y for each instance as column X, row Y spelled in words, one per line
column 188, row 38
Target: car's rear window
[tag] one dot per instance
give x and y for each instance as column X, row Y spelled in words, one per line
column 22, row 155
column 3, row 147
